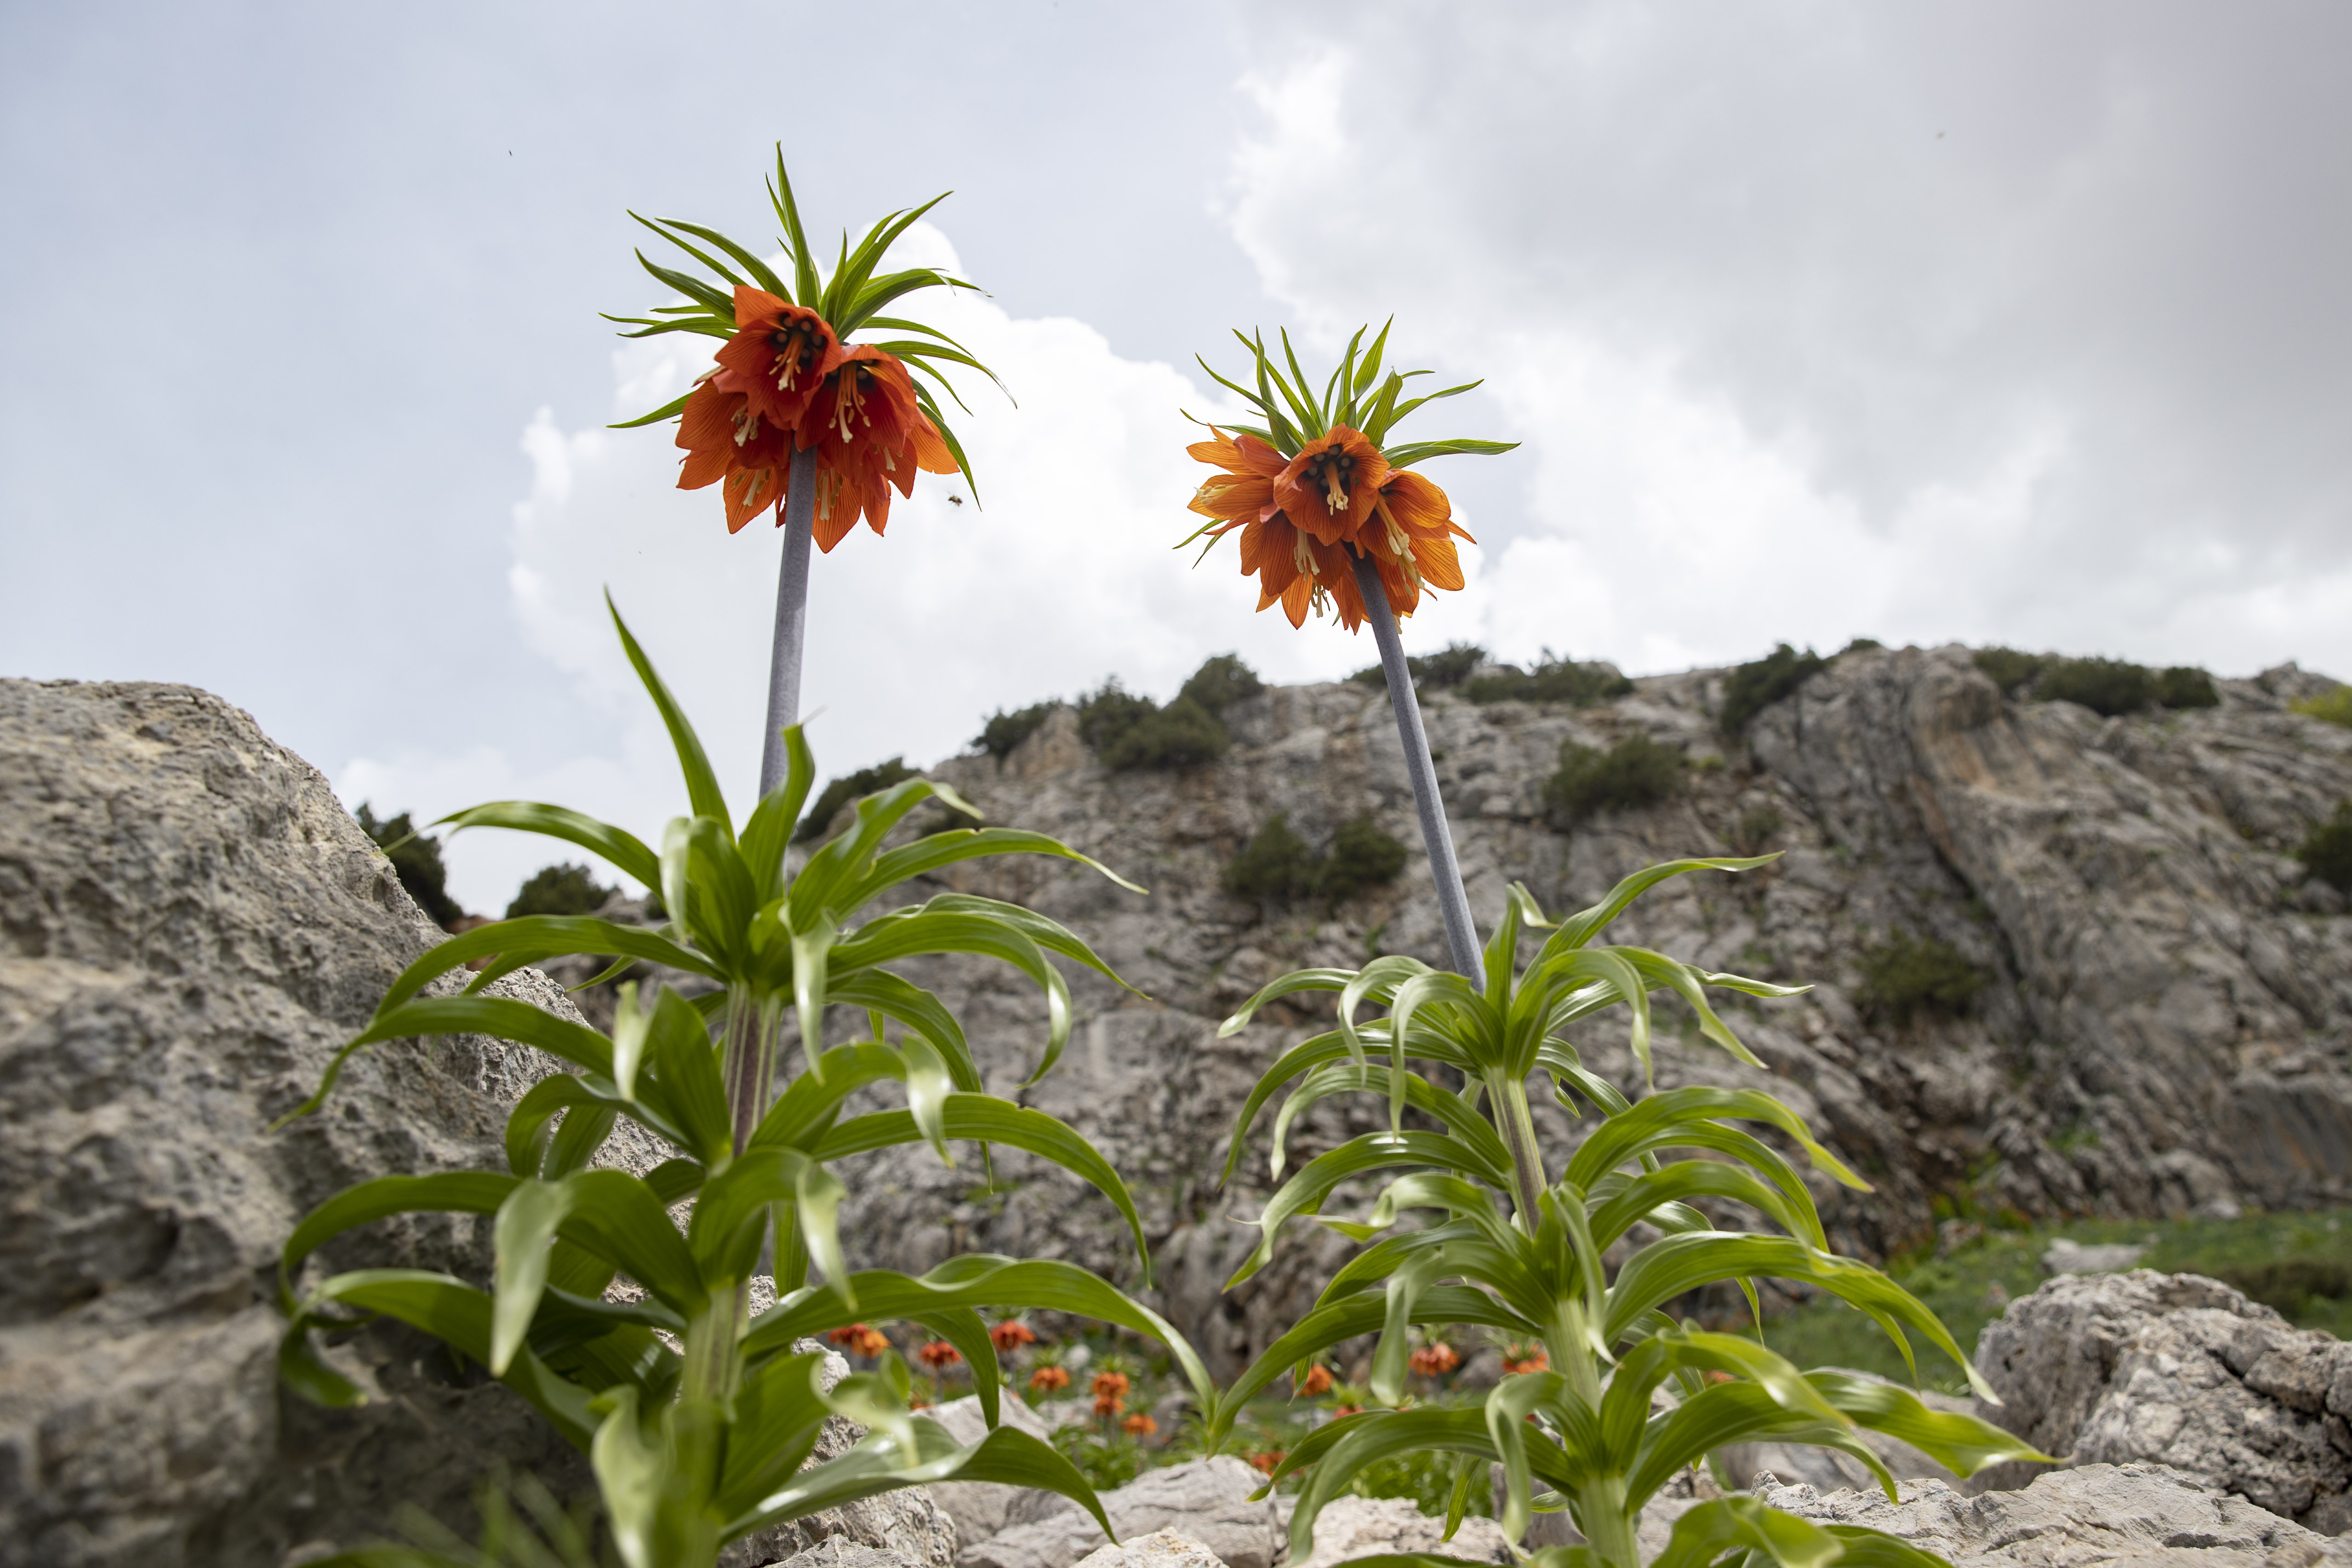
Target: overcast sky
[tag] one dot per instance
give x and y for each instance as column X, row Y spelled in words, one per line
column 2019, row 323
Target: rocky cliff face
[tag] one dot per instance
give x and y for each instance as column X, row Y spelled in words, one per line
column 2164, row 1024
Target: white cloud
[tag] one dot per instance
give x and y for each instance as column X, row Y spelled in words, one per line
column 1067, row 578
column 1922, row 324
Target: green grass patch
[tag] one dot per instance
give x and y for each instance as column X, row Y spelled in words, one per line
column 2335, row 707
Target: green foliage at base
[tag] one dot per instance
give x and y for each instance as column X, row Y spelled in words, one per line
column 1551, row 681
column 560, row 890
column 2326, row 851
column 2009, row 668
column 840, row 792
column 1005, row 731
column 2108, row 687
column 416, row 860
column 1278, row 865
column 2335, row 707
column 1107, row 1462
column 1752, row 687
column 1906, row 976
column 1637, row 771
column 1430, row 672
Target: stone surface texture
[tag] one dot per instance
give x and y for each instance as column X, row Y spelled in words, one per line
column 2142, row 1516
column 1161, row 1549
column 2180, row 1371
column 1205, row 1501
column 982, row 1509
column 2164, row 1025
column 1353, row 1527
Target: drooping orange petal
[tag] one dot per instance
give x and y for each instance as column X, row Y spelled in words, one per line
column 1418, row 504
column 932, row 453
column 1440, row 563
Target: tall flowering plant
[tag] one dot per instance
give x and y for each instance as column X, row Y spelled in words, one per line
column 793, row 417
column 1475, row 1222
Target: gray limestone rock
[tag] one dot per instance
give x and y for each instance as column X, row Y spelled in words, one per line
column 2184, row 1372
column 1205, row 1501
column 1161, row 1549
column 2142, row 1515
column 1353, row 1527
column 982, row 1509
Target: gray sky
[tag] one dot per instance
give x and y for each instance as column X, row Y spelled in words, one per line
column 1999, row 323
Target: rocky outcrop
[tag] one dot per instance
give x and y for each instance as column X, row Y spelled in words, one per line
column 2164, row 1022
column 1352, row 1526
column 2143, row 1515
column 2180, row 1371
column 1161, row 1549
column 1205, row 1501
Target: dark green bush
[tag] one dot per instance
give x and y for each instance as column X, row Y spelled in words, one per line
column 416, row 860
column 2291, row 1284
column 560, row 890
column 1752, row 687
column 1362, row 856
column 1275, row 865
column 1436, row 672
column 2106, row 686
column 1906, row 976
column 1859, row 646
column 2326, row 854
column 1181, row 735
column 1003, row 731
column 1108, row 713
column 1551, row 681
column 2185, row 685
column 840, row 792
column 2007, row 668
column 1222, row 682
column 1637, row 771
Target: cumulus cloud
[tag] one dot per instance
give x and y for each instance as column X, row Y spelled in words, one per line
column 1061, row 578
column 1988, row 322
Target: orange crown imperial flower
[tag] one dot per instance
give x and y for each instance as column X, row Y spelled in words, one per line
column 1046, row 1379
column 939, row 1354
column 1011, row 1335
column 1434, row 1360
column 1316, row 488
column 788, row 380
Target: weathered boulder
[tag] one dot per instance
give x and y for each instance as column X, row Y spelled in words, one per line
column 982, row 1509
column 2181, row 1371
column 190, row 925
column 1353, row 1527
column 2105, row 1514
column 1205, row 1501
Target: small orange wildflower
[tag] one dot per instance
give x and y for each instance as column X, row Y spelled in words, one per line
column 1270, row 1460
column 1434, row 1360
column 1138, row 1426
column 1340, row 1411
column 1111, row 1392
column 859, row 1339
column 1317, row 1382
column 939, row 1354
column 1534, row 1360
column 1046, row 1379
column 1011, row 1335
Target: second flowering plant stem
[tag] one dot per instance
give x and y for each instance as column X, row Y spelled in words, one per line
column 792, row 622
column 1436, row 835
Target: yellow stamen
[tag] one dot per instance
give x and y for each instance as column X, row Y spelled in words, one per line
column 746, row 425
column 1304, row 558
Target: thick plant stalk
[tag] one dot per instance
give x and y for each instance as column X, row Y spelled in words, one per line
column 791, row 620
column 1452, row 899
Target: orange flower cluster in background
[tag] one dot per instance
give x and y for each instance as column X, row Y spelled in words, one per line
column 1046, row 1379
column 1317, row 1381
column 1138, row 1426
column 1434, row 1360
column 939, row 1354
column 1011, row 1335
column 860, row 1340
column 1267, row 1462
column 1338, row 1411
column 784, row 383
column 1303, row 518
column 1525, row 1358
column 1111, row 1392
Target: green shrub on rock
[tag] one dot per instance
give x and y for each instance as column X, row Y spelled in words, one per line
column 1275, row 864
column 1637, row 771
column 1362, row 857
column 2335, row 707
column 1129, row 731
column 2185, row 685
column 1906, row 976
column 2007, row 668
column 2108, row 687
column 1181, row 735
column 1551, row 681
column 1219, row 682
column 1005, row 731
column 560, row 890
column 840, row 792
column 1754, row 686
column 2326, row 852
column 416, row 860
column 1440, row 671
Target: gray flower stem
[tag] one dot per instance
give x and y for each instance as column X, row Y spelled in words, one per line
column 1452, row 899
column 791, row 620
